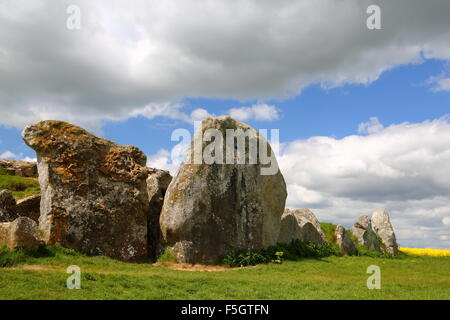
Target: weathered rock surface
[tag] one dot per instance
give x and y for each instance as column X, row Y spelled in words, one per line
column 157, row 183
column 20, row 168
column 94, row 192
column 29, row 207
column 300, row 224
column 344, row 242
column 213, row 209
column 21, row 233
column 381, row 223
column 7, row 206
column 365, row 234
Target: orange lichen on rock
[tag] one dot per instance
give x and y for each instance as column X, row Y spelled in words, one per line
column 94, row 196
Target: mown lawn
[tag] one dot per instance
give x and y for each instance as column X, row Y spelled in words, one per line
column 44, row 277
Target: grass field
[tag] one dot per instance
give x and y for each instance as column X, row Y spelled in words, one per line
column 20, row 187
column 44, row 277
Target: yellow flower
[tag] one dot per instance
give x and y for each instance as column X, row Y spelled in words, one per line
column 426, row 252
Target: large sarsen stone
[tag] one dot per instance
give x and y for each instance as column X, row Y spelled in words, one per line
column 213, row 209
column 93, row 192
column 383, row 227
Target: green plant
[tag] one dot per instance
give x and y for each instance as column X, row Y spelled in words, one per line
column 246, row 258
column 329, row 231
column 278, row 257
column 5, row 172
column 167, row 257
column 293, row 251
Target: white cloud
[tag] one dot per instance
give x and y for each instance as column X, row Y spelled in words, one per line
column 168, row 160
column 128, row 58
column 200, row 114
column 446, row 221
column 371, row 126
column 402, row 168
column 259, row 112
column 442, row 85
column 29, row 159
column 8, row 155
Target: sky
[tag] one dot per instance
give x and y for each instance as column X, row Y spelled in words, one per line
column 363, row 114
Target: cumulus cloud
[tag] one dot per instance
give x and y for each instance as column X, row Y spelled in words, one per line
column 8, row 155
column 200, row 114
column 162, row 160
column 259, row 112
column 402, row 168
column 134, row 58
column 442, row 84
column 29, row 159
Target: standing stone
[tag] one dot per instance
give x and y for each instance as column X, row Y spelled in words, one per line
column 94, row 192
column 20, row 168
column 21, row 233
column 7, row 206
column 29, row 207
column 382, row 225
column 363, row 231
column 213, row 209
column 344, row 242
column 157, row 183
column 300, row 224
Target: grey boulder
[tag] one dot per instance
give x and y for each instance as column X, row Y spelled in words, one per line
column 344, row 242
column 20, row 233
column 29, row 207
column 365, row 234
column 157, row 183
column 300, row 224
column 382, row 225
column 212, row 209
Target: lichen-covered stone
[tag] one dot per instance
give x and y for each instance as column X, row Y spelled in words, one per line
column 29, row 207
column 20, row 168
column 300, row 224
column 21, row 233
column 157, row 183
column 344, row 242
column 365, row 234
column 93, row 192
column 382, row 225
column 213, row 209
column 7, row 206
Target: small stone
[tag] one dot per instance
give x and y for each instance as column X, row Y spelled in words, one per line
column 344, row 242
column 20, row 168
column 365, row 234
column 300, row 224
column 29, row 207
column 21, row 233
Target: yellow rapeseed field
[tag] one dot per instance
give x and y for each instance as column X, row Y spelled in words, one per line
column 426, row 252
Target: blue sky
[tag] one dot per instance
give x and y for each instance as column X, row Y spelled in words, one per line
column 362, row 113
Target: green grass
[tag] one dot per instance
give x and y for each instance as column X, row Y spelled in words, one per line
column 20, row 187
column 333, row 277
